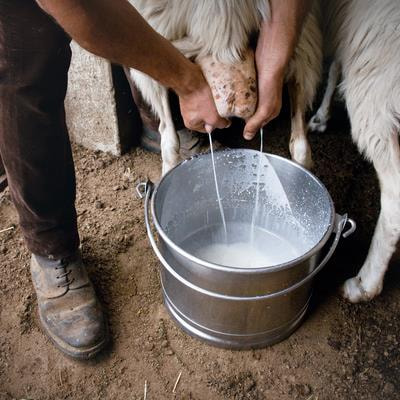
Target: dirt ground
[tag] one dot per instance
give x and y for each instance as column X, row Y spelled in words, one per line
column 341, row 351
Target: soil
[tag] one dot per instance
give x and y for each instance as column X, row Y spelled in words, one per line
column 341, row 351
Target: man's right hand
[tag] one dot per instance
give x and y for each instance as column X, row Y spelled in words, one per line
column 197, row 105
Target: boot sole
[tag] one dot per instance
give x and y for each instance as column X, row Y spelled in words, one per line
column 84, row 353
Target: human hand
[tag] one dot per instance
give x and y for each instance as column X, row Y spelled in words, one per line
column 198, row 107
column 268, row 107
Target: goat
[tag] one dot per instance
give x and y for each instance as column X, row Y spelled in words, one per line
column 363, row 37
column 215, row 34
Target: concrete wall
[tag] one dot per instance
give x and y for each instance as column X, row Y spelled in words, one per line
column 99, row 115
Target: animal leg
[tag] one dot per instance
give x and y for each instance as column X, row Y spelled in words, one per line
column 319, row 120
column 157, row 96
column 369, row 281
column 299, row 147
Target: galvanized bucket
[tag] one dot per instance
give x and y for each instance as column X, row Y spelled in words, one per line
column 230, row 306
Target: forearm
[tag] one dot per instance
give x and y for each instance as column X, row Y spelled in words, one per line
column 278, row 37
column 116, row 31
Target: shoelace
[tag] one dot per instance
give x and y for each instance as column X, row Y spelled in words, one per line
column 63, row 265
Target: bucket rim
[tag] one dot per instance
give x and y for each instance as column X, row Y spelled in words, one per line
column 245, row 270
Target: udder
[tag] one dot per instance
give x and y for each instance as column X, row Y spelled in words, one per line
column 234, row 86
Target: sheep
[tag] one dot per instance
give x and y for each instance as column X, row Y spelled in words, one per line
column 363, row 38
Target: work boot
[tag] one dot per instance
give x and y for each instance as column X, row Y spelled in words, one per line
column 69, row 310
column 191, row 142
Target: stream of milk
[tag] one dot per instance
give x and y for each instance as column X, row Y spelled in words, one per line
column 221, row 210
column 255, row 211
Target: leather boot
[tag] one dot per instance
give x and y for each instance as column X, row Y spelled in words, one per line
column 69, row 310
column 190, row 142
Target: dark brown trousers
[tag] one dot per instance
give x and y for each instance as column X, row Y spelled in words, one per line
column 34, row 144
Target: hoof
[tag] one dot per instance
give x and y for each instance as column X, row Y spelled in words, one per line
column 317, row 124
column 354, row 291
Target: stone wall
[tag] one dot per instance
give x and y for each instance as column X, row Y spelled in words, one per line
column 100, row 114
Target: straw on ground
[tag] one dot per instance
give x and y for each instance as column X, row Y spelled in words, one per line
column 145, row 390
column 7, row 229
column 177, row 381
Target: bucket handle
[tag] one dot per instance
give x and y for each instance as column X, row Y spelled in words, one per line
column 145, row 190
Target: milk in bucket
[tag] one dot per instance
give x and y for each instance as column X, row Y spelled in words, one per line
column 260, row 248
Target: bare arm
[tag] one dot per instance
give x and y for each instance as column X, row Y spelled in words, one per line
column 116, row 31
column 275, row 47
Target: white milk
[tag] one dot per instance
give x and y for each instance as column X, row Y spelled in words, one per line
column 267, row 250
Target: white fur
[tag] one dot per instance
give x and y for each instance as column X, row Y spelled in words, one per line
column 221, row 29
column 364, row 38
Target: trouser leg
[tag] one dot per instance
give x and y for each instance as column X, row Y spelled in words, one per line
column 34, row 144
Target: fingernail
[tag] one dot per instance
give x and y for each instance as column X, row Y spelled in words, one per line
column 248, row 135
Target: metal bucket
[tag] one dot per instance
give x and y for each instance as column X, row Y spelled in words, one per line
column 231, row 306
